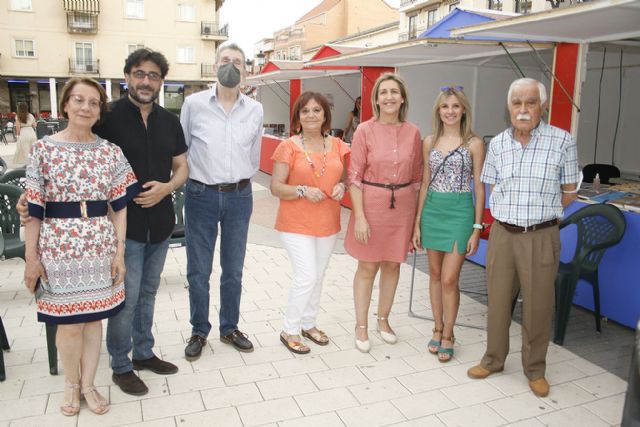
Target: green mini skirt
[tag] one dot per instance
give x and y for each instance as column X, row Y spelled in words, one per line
column 446, row 218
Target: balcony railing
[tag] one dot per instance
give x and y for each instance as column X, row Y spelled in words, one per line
column 84, row 67
column 82, row 23
column 207, row 70
column 213, row 31
column 402, row 37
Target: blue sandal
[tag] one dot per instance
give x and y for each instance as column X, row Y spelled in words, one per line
column 434, row 345
column 448, row 352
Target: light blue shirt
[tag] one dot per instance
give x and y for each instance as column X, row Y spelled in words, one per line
column 223, row 148
column 527, row 180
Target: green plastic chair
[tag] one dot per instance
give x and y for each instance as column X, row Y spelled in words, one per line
column 600, row 227
column 4, row 345
column 14, row 248
column 178, row 236
column 10, row 222
column 15, row 177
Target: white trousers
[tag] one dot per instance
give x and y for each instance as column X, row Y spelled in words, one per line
column 309, row 257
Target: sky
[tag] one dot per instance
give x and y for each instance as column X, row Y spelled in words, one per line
column 252, row 20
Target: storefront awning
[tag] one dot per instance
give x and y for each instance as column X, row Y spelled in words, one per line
column 286, row 75
column 280, row 71
column 425, row 51
column 598, row 21
column 82, row 6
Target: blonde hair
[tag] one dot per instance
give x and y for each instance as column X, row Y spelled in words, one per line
column 466, row 130
column 404, row 107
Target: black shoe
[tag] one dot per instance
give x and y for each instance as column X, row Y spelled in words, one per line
column 194, row 347
column 130, row 383
column 239, row 340
column 155, row 365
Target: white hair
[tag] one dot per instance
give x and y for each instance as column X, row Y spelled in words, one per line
column 525, row 81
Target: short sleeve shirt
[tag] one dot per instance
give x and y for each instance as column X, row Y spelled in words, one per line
column 527, row 180
column 300, row 215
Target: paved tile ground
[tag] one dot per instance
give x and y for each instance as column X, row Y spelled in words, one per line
column 335, row 385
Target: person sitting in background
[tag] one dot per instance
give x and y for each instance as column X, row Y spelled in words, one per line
column 308, row 178
column 352, row 122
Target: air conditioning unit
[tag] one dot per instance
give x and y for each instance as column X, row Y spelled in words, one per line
column 89, row 67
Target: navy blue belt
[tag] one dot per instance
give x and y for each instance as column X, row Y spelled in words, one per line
column 83, row 209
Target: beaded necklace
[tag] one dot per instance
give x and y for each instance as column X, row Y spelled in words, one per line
column 324, row 157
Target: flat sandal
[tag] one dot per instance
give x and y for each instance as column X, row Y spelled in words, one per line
column 296, row 347
column 316, row 337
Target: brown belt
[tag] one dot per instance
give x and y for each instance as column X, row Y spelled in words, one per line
column 517, row 229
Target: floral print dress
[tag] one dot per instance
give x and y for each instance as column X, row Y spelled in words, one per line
column 77, row 252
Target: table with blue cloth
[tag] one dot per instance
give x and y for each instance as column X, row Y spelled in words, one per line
column 619, row 271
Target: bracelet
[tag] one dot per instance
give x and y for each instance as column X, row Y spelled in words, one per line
column 570, row 191
column 478, row 227
column 123, row 241
column 300, row 190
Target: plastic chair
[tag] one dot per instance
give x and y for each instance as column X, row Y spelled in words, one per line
column 14, row 248
column 178, row 235
column 605, row 172
column 15, row 177
column 10, row 222
column 599, row 227
column 4, row 345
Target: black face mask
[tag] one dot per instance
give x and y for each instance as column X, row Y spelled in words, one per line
column 228, row 75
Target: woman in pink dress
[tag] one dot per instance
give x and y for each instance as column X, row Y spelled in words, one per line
column 385, row 174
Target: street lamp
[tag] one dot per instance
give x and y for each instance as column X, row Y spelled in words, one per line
column 248, row 65
column 260, row 59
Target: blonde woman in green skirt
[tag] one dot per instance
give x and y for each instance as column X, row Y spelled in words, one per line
column 448, row 221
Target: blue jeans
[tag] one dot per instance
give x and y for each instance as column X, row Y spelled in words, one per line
column 205, row 208
column 131, row 327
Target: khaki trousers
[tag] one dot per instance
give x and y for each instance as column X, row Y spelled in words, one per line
column 527, row 262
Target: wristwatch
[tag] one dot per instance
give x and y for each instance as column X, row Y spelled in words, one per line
column 479, row 227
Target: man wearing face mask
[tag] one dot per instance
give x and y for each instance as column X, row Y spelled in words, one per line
column 532, row 170
column 223, row 130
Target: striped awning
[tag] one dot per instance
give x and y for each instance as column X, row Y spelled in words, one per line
column 82, row 6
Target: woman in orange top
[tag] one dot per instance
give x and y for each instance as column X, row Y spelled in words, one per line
column 308, row 178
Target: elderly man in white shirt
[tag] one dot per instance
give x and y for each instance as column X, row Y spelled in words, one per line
column 532, row 170
column 223, row 130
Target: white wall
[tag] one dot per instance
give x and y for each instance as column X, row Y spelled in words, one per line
column 486, row 86
column 272, row 96
column 342, row 103
column 627, row 149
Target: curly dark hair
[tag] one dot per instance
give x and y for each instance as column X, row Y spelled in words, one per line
column 139, row 56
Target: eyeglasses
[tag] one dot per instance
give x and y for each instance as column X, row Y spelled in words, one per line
column 79, row 101
column 446, row 88
column 153, row 76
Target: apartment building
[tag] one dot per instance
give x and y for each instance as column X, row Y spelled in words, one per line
column 329, row 20
column 416, row 16
column 45, row 42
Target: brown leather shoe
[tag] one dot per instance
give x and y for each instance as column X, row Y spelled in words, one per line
column 479, row 372
column 539, row 387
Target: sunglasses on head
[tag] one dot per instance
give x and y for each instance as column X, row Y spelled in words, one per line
column 446, row 88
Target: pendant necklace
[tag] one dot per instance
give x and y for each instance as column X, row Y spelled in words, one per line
column 324, row 157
